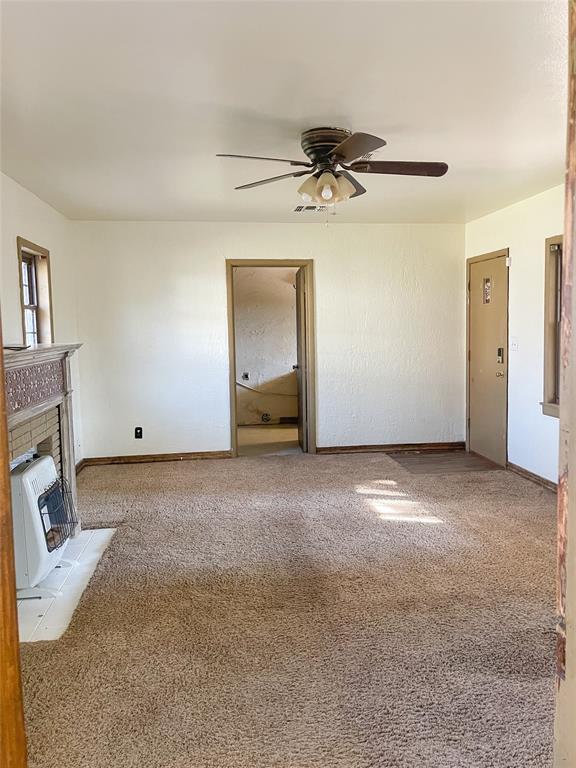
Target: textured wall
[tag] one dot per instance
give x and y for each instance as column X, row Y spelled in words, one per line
column 26, row 215
column 389, row 330
column 265, row 324
column 150, row 303
column 523, row 228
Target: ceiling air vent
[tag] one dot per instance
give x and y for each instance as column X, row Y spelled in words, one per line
column 310, row 208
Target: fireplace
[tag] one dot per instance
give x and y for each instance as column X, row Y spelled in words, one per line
column 39, row 407
column 43, row 521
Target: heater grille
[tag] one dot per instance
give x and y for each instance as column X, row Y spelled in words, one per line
column 57, row 514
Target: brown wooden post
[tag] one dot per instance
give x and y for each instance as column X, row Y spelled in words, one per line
column 12, row 734
column 565, row 736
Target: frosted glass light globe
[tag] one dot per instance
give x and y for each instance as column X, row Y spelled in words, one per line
column 326, row 192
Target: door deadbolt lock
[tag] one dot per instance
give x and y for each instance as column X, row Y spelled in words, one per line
column 500, row 355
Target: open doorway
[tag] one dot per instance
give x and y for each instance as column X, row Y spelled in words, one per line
column 270, row 309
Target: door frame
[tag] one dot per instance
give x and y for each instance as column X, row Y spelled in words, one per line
column 12, row 727
column 472, row 260
column 310, row 331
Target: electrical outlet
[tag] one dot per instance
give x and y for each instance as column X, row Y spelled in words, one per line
column 245, row 376
column 138, row 433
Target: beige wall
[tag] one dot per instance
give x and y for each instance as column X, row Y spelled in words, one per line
column 153, row 316
column 148, row 302
column 25, row 215
column 376, row 284
column 523, row 228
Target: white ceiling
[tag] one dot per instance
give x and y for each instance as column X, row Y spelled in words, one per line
column 115, row 110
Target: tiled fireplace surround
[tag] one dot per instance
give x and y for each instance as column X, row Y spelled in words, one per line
column 39, row 405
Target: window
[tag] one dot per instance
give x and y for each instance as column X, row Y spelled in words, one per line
column 29, row 302
column 552, row 316
column 35, row 293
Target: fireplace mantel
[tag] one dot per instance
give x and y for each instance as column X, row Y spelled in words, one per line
column 37, row 381
column 40, row 352
column 36, row 378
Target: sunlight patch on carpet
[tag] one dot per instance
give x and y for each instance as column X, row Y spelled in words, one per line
column 402, row 511
column 367, row 491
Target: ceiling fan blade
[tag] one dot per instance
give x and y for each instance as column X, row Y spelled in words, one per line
column 276, row 178
column 273, row 159
column 398, row 167
column 355, row 146
column 359, row 188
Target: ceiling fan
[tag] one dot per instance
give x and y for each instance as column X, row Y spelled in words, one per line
column 333, row 153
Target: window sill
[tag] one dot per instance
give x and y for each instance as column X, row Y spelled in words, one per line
column 551, row 409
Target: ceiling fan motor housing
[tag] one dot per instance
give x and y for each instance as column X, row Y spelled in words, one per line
column 317, row 143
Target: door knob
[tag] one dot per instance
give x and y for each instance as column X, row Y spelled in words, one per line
column 499, row 374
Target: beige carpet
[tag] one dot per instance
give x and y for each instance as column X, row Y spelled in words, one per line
column 304, row 612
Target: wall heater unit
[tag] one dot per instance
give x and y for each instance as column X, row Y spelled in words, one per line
column 43, row 520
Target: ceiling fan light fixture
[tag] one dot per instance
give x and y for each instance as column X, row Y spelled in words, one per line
column 307, row 190
column 345, row 188
column 327, row 150
column 327, row 187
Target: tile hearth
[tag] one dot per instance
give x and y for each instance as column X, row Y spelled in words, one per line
column 48, row 619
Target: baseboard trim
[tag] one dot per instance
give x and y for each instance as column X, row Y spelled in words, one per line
column 527, row 475
column 150, row 458
column 394, row 448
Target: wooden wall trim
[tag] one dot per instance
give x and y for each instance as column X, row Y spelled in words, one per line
column 393, row 448
column 538, row 479
column 12, row 733
column 550, row 397
column 564, row 731
column 150, row 458
column 80, row 466
column 145, row 458
column 566, row 642
column 567, row 490
column 46, row 317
